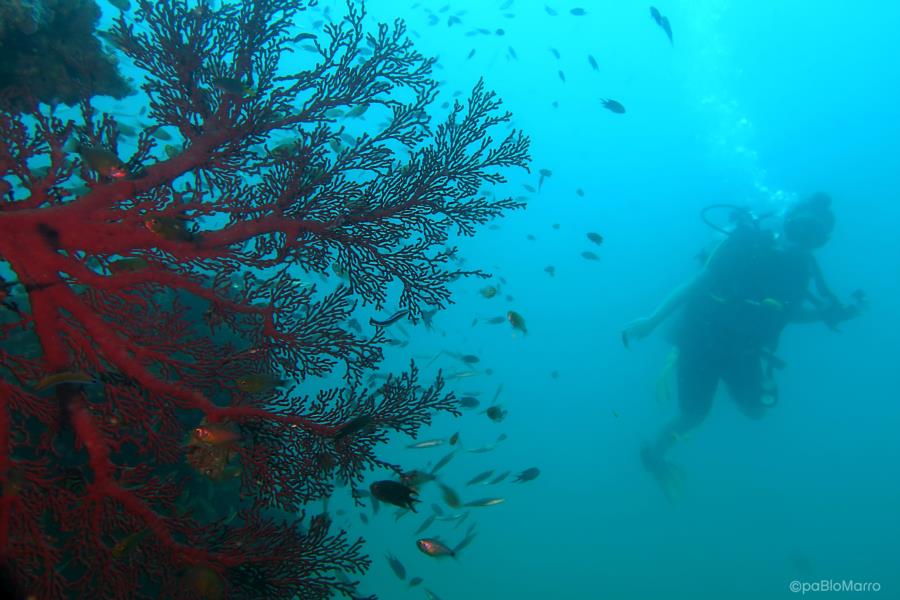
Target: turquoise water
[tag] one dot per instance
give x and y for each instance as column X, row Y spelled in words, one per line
column 755, row 103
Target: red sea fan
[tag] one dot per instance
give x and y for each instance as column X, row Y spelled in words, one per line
column 157, row 329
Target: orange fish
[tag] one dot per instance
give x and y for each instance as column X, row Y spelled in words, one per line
column 216, row 434
column 435, row 548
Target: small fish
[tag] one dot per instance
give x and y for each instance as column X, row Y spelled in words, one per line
column 396, row 566
column 495, row 320
column 625, row 339
column 471, row 54
column 216, row 434
column 127, row 265
column 588, row 255
column 578, row 12
column 434, row 548
column 468, row 402
column 61, row 378
column 579, row 192
column 485, row 502
column 451, row 498
column 550, row 11
column 258, row 383
column 394, row 493
column 545, row 173
column 103, row 161
column 174, row 229
column 121, row 4
column 353, row 426
column 162, row 134
column 454, row 438
column 364, row 518
column 517, row 321
column 530, row 188
column 357, row 111
column 527, row 475
column 499, row 478
column 443, row 462
column 431, row 595
column 128, row 543
column 233, row 86
column 426, row 444
column 480, row 477
column 390, row 320
column 415, row 478
column 562, row 76
column 469, row 359
column 613, row 106
column 663, row 22
column 595, row 237
column 550, row 270
column 488, row 291
column 555, row 52
column 415, row 581
column 496, row 413
column 425, row 525
column 593, row 62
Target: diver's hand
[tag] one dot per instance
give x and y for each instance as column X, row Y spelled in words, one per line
column 834, row 314
column 638, row 329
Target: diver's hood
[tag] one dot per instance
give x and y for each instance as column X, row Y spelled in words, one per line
column 809, row 223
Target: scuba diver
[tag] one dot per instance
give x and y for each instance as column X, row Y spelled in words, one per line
column 732, row 314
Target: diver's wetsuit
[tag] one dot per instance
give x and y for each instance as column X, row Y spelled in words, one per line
column 750, row 289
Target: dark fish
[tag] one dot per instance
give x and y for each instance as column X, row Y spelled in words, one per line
column 396, row 565
column 579, row 192
column 589, row 255
column 529, row 188
column 390, row 320
column 517, row 321
column 495, row 320
column 499, row 478
column 496, row 413
column 550, row 11
column 443, row 462
column 425, row 525
column 593, row 62
column 394, row 493
column 416, row 479
column 353, row 426
column 613, row 106
column 578, row 12
column 468, row 402
column 436, row 508
column 555, row 52
column 562, row 76
column 415, row 581
column 480, row 477
column 454, row 438
column 364, row 518
column 512, row 53
column 550, row 270
column 527, row 475
column 663, row 22
column 500, row 32
column 471, row 54
column 595, row 237
column 545, row 173
column 451, row 498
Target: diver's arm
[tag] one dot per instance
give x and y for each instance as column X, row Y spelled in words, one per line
column 644, row 326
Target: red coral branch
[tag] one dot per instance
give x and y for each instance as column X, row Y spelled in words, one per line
column 158, row 327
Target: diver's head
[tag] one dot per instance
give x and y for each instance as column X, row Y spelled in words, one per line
column 809, row 223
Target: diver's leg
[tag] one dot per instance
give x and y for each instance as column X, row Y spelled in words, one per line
column 745, row 380
column 698, row 374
